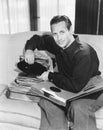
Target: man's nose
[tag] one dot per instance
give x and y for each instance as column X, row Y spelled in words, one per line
column 58, row 37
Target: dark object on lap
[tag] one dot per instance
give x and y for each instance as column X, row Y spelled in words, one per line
column 35, row 69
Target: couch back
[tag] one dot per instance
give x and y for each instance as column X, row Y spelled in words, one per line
column 11, row 47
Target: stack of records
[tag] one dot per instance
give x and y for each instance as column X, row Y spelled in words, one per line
column 27, row 80
column 20, row 88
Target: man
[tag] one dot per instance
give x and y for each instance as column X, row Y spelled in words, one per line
column 77, row 63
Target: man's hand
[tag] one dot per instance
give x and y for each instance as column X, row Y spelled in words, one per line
column 29, row 56
column 44, row 76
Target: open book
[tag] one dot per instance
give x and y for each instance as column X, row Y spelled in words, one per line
column 49, row 91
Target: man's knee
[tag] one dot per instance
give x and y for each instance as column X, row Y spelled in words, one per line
column 75, row 105
column 49, row 107
column 81, row 105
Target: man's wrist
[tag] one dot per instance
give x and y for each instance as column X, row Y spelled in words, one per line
column 29, row 51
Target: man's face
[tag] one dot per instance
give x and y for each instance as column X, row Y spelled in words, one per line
column 61, row 34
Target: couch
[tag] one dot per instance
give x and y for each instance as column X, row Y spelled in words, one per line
column 21, row 114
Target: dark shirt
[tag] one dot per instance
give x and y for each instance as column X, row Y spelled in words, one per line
column 76, row 64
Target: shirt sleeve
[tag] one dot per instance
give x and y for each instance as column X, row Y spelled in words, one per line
column 45, row 42
column 35, row 42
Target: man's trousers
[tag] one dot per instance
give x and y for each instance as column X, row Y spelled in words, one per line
column 79, row 114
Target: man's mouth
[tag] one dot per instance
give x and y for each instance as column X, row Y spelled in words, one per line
column 60, row 42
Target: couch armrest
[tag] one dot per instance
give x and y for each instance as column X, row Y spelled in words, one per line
column 3, row 88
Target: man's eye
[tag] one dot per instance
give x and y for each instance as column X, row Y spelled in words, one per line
column 62, row 32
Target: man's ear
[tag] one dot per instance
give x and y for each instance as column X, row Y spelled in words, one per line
column 71, row 30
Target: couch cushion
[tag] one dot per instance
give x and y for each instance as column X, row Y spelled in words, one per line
column 17, row 112
column 8, row 126
column 99, row 118
column 3, row 57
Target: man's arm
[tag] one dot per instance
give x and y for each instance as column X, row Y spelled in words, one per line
column 45, row 42
column 35, row 42
column 80, row 77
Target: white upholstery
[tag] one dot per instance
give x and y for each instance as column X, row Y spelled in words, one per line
column 22, row 115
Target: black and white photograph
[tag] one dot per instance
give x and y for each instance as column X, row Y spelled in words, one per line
column 51, row 64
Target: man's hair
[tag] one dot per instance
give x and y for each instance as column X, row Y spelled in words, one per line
column 60, row 18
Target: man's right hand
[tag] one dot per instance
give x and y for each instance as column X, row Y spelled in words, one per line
column 29, row 56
